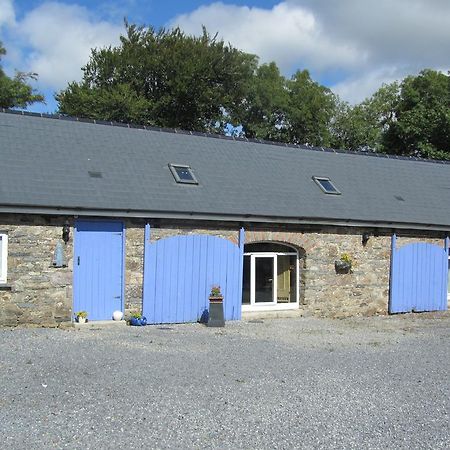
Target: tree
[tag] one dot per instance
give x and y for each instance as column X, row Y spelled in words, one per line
column 296, row 111
column 263, row 111
column 422, row 117
column 361, row 127
column 163, row 78
column 409, row 118
column 311, row 108
column 16, row 92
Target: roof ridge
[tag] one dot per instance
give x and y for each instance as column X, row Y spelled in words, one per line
column 219, row 136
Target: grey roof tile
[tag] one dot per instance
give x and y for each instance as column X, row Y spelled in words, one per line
column 46, row 162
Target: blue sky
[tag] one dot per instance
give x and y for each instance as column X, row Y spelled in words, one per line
column 352, row 46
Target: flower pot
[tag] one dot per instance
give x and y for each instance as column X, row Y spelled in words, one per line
column 216, row 316
column 81, row 319
column 135, row 322
column 342, row 266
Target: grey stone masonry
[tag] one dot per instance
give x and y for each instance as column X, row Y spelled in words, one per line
column 40, row 294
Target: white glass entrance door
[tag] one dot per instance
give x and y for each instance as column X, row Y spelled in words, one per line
column 270, row 278
column 264, row 279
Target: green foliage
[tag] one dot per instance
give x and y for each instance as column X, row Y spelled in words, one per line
column 163, row 78
column 345, row 257
column 16, row 92
column 82, row 314
column 407, row 118
column 215, row 291
column 298, row 110
column 263, row 112
column 136, row 316
column 167, row 78
column 311, row 108
column 361, row 127
column 422, row 125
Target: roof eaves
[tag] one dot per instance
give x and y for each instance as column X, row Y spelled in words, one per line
column 173, row 215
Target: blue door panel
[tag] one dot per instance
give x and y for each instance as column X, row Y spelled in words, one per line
column 98, row 268
column 419, row 277
column 179, row 272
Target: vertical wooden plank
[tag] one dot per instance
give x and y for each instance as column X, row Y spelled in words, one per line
column 393, row 276
column 182, row 280
column 203, row 268
column 240, row 272
column 194, row 305
column 163, row 277
column 445, row 274
column 147, row 274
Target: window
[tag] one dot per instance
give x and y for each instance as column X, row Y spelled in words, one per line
column 182, row 174
column 271, row 277
column 3, row 257
column 326, row 185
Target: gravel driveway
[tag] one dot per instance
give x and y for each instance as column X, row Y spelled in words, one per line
column 380, row 382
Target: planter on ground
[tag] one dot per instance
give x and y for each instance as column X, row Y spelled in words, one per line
column 216, row 316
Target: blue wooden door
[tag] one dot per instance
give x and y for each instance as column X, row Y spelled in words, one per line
column 419, row 274
column 179, row 272
column 98, row 268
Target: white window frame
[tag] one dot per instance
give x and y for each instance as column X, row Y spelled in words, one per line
column 272, row 306
column 4, row 257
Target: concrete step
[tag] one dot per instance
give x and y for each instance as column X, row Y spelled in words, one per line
column 252, row 315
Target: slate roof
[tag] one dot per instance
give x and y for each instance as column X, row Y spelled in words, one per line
column 45, row 165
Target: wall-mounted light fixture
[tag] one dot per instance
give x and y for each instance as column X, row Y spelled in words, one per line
column 365, row 238
column 66, row 232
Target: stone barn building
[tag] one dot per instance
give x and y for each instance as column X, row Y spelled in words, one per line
column 103, row 217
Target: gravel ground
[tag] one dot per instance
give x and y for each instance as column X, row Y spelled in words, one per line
column 378, row 382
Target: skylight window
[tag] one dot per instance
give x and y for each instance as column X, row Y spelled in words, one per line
column 183, row 174
column 326, row 185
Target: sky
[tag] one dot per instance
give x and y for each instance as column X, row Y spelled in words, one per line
column 351, row 46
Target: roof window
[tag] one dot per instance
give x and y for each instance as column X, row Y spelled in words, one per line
column 183, row 174
column 326, row 185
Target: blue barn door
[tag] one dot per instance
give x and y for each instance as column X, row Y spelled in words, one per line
column 98, row 268
column 179, row 272
column 419, row 280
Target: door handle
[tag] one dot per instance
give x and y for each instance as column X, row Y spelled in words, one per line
column 118, row 296
column 78, row 260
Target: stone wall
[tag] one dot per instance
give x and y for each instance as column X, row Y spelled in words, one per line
column 134, row 265
column 39, row 293
column 365, row 291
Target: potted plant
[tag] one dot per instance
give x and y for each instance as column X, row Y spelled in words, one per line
column 137, row 320
column 81, row 316
column 216, row 316
column 344, row 264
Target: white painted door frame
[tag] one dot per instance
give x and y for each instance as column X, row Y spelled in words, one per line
column 270, row 306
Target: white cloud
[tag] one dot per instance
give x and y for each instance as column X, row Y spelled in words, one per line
column 288, row 34
column 7, row 14
column 366, row 42
column 354, row 89
column 413, row 32
column 369, row 42
column 58, row 39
